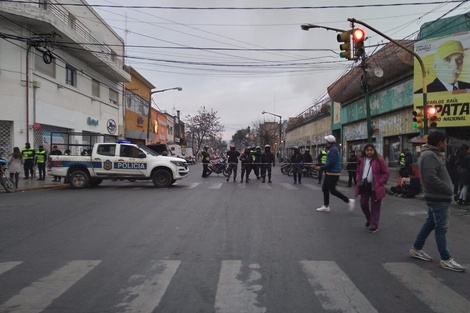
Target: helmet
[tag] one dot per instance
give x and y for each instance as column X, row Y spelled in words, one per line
column 206, row 147
column 258, row 147
column 232, row 147
column 267, row 146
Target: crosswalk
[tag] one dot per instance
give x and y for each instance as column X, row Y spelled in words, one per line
column 239, row 287
column 225, row 185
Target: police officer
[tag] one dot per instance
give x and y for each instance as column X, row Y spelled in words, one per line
column 247, row 160
column 406, row 160
column 297, row 161
column 257, row 161
column 28, row 157
column 267, row 159
column 321, row 161
column 232, row 156
column 205, row 161
column 56, row 151
column 41, row 157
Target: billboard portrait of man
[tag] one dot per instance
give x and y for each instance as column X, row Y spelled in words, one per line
column 448, row 65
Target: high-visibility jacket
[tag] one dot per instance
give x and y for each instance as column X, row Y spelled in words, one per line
column 402, row 160
column 28, row 153
column 41, row 156
column 323, row 156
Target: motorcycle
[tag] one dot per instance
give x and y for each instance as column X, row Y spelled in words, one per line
column 219, row 166
column 5, row 180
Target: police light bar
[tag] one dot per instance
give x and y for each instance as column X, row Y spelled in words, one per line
column 122, row 141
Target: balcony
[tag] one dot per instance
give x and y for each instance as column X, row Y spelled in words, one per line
column 63, row 30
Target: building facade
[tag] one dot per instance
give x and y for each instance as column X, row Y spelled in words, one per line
column 61, row 70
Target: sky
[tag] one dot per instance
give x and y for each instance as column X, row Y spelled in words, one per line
column 243, row 57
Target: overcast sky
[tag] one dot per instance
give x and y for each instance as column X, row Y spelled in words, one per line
column 241, row 62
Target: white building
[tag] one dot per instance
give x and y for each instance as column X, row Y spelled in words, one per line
column 61, row 70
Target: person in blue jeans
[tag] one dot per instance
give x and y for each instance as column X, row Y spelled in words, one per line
column 438, row 192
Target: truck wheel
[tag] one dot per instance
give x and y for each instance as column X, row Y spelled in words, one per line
column 162, row 178
column 95, row 182
column 79, row 179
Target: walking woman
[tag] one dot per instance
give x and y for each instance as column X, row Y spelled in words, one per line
column 15, row 163
column 372, row 175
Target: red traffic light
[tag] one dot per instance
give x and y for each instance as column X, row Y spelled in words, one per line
column 358, row 34
column 432, row 111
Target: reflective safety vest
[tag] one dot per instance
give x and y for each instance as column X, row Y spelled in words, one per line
column 323, row 156
column 41, row 156
column 28, row 153
column 402, row 160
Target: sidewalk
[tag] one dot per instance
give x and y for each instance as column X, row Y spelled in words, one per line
column 34, row 184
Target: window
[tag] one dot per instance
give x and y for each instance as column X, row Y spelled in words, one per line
column 130, row 152
column 95, row 88
column 113, row 96
column 108, row 150
column 43, row 67
column 70, row 75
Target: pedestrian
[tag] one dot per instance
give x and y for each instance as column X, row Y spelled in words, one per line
column 246, row 159
column 268, row 161
column 332, row 169
column 41, row 157
column 438, row 195
column 297, row 162
column 351, row 167
column 308, row 159
column 56, row 151
column 321, row 159
column 28, row 153
column 406, row 160
column 15, row 162
column 464, row 174
column 373, row 174
column 232, row 156
column 205, row 161
column 257, row 162
column 453, row 170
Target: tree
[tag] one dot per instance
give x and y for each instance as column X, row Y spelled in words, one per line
column 240, row 138
column 205, row 126
column 266, row 132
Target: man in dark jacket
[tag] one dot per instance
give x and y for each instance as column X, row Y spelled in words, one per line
column 205, row 161
column 351, row 167
column 232, row 156
column 56, row 151
column 267, row 160
column 297, row 162
column 246, row 160
column 332, row 169
column 438, row 193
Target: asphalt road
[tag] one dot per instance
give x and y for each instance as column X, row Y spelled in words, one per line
column 207, row 245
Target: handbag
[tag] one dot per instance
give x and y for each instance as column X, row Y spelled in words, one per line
column 365, row 185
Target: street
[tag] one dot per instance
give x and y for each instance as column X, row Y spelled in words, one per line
column 207, row 245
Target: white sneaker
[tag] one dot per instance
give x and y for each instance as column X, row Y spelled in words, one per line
column 351, row 204
column 450, row 264
column 324, row 209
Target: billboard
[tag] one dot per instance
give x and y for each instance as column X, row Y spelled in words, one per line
column 447, row 65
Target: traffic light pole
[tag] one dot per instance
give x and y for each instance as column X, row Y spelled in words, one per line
column 421, row 63
column 365, row 88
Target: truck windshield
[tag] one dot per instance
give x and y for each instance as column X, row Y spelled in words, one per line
column 148, row 150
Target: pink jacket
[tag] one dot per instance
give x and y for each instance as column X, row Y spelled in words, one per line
column 380, row 175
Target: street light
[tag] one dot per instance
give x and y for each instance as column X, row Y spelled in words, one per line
column 280, row 128
column 308, row 26
column 150, row 107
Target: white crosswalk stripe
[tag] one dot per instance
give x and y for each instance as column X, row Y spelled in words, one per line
column 288, row 186
column 6, row 266
column 312, row 187
column 240, row 287
column 333, row 286
column 235, row 295
column 425, row 287
column 37, row 296
column 145, row 291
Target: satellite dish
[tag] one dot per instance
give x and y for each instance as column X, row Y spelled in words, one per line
column 378, row 71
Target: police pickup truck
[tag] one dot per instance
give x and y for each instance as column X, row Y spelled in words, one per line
column 119, row 160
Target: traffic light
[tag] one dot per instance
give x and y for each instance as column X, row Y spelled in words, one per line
column 345, row 38
column 432, row 116
column 358, row 36
column 418, row 119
